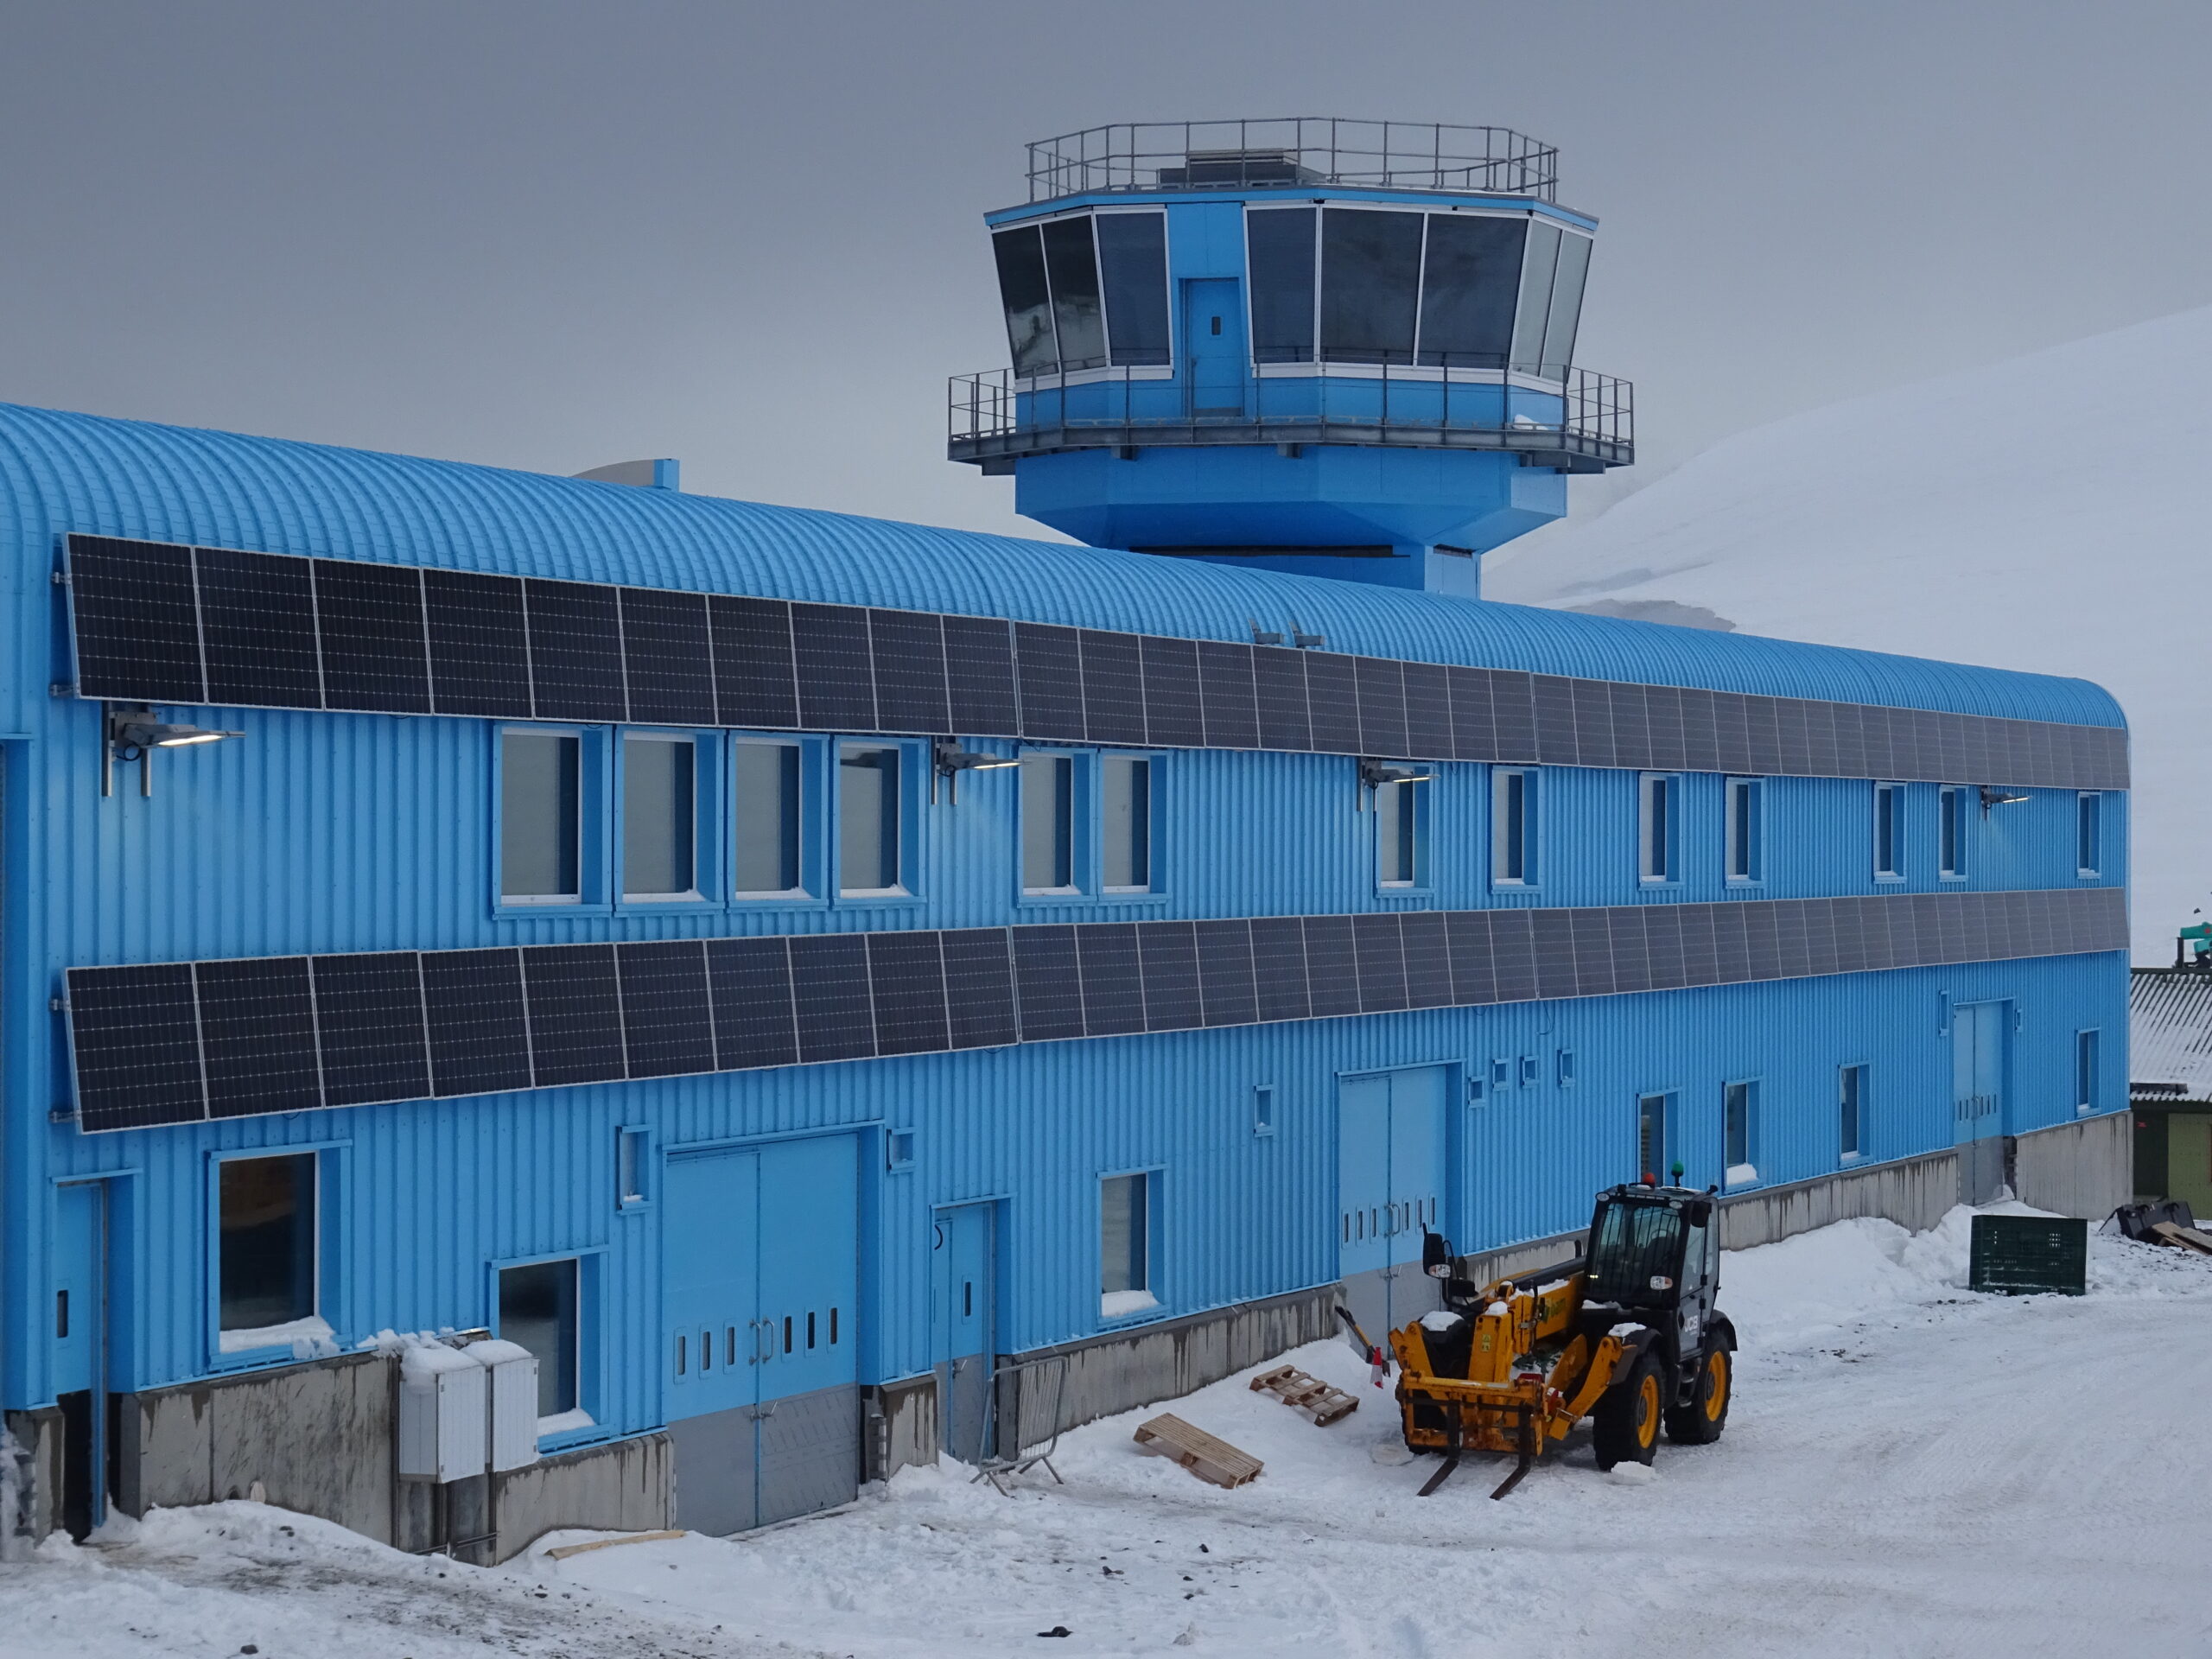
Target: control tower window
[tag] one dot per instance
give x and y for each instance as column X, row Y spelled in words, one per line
column 1470, row 279
column 1071, row 267
column 1133, row 258
column 1020, row 255
column 1537, row 278
column 1370, row 285
column 1565, row 307
column 1278, row 243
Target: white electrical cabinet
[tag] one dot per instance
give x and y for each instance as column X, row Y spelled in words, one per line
column 513, row 1370
column 444, row 1413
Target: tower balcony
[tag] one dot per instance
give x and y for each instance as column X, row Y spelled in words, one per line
column 1569, row 419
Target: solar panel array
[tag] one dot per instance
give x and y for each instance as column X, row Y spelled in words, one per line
column 183, row 1042
column 159, row 623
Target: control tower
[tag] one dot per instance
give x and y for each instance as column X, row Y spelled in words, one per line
column 1343, row 349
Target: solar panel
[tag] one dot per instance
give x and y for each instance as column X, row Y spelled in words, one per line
column 906, row 974
column 138, row 622
column 1593, row 722
column 575, row 651
column 1047, row 985
column 1553, row 702
column 257, row 1036
column 1731, row 726
column 1379, row 950
column 1113, row 984
column 368, row 1012
column 1332, row 703
column 830, row 996
column 1552, row 940
column 1173, row 714
column 1331, row 966
column 1050, row 668
column 479, row 1035
column 375, row 654
column 668, row 1027
column 836, row 668
column 1513, row 959
column 667, row 657
column 755, row 684
column 1594, row 952
column 908, row 648
column 479, row 646
column 1428, row 957
column 979, row 988
column 1474, row 721
column 1279, row 686
column 1382, row 685
column 1513, row 714
column 1168, row 957
column 1702, row 732
column 750, row 983
column 1232, row 713
column 979, row 677
column 1228, row 994
column 1628, row 956
column 1474, row 978
column 575, row 1014
column 1663, row 946
column 1113, row 688
column 256, row 629
column 1731, row 951
column 1762, row 751
column 1662, row 717
column 1428, row 711
column 1279, row 968
column 135, row 1037
column 1699, row 964
column 1630, row 721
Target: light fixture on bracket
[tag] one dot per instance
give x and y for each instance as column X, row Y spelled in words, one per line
column 949, row 761
column 1377, row 774
column 1993, row 796
column 131, row 733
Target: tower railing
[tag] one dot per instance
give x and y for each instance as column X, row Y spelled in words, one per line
column 1574, row 418
column 1293, row 150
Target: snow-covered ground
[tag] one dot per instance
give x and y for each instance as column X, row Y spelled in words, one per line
column 2047, row 513
column 1909, row 1470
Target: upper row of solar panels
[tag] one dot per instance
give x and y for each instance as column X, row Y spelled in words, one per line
column 159, row 623
column 183, row 1042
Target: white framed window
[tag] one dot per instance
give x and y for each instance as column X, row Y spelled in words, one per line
column 1263, row 1109
column 1512, row 827
column 1048, row 819
column 871, row 820
column 1125, row 1245
column 1850, row 1111
column 2088, row 833
column 1401, row 833
column 632, row 1168
column 767, row 819
column 1658, row 808
column 1889, row 832
column 1951, row 833
column 541, row 816
column 2088, row 1045
column 268, row 1251
column 1739, row 1128
column 1745, row 838
column 540, row 1309
column 660, row 817
column 1126, row 806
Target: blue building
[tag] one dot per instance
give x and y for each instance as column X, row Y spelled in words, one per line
column 834, row 990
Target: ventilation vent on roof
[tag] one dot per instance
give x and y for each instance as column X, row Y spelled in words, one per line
column 645, row 475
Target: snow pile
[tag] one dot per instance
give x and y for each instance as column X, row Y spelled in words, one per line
column 2046, row 513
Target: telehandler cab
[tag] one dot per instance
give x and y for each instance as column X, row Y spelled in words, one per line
column 1625, row 1334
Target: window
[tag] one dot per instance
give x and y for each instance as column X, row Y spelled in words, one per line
column 867, row 819
column 265, row 1251
column 1528, row 1071
column 1133, row 258
column 1082, row 292
column 2088, row 833
column 1513, row 828
column 1370, row 284
column 1471, row 274
column 1078, row 315
column 898, row 1149
column 1047, row 823
column 660, row 815
column 1125, row 810
column 1263, row 1109
column 1739, row 1111
column 632, row 1162
column 1279, row 251
column 764, row 819
column 540, row 818
column 1850, row 1110
column 1564, row 1064
column 1020, row 253
column 1651, row 1136
column 1745, row 849
column 1655, row 814
column 1125, row 1246
column 1889, row 832
column 1952, row 834
column 1400, row 834
column 537, row 1309
column 1501, row 1074
column 2086, row 1045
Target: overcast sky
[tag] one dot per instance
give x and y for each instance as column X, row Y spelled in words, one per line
column 554, row 235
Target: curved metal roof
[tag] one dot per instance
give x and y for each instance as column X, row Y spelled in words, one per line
column 67, row 472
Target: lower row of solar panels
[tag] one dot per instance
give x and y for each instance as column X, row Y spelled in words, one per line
column 182, row 1042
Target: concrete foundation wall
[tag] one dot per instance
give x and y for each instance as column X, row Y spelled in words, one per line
column 629, row 1486
column 31, row 1481
column 2086, row 1169
column 1914, row 1192
column 900, row 1420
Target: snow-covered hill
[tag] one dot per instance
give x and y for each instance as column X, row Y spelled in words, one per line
column 2052, row 513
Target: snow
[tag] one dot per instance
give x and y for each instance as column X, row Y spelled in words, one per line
column 1741, row 1174
column 1908, row 1469
column 311, row 1334
column 564, row 1422
column 2046, row 513
column 1120, row 1304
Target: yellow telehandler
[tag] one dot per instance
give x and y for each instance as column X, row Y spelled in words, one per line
column 1625, row 1334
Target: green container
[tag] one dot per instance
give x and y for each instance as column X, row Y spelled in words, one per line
column 2024, row 1255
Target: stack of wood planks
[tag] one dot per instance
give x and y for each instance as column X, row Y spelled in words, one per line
column 2189, row 1238
column 1293, row 1387
column 1199, row 1452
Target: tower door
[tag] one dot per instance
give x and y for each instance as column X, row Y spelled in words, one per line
column 1978, row 1032
column 1213, row 345
column 963, row 1340
column 1390, row 1176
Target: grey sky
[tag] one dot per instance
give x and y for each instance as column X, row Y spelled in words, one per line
column 553, row 235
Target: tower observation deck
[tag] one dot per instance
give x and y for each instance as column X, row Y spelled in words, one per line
column 1340, row 347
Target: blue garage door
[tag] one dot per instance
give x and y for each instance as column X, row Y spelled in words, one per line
column 1390, row 1178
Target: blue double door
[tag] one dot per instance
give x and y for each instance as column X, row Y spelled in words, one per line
column 1979, row 1030
column 1391, row 1180
column 759, row 1253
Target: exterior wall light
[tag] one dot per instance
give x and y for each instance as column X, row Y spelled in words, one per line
column 950, row 761
column 1379, row 774
column 1993, row 796
column 133, row 734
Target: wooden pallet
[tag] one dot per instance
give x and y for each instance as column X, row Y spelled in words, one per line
column 1293, row 1387
column 2188, row 1238
column 1199, row 1452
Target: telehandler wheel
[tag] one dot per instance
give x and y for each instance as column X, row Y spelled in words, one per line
column 1699, row 1422
column 1624, row 1427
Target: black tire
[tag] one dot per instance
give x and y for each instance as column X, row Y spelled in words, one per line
column 1699, row 1422
column 1625, row 1428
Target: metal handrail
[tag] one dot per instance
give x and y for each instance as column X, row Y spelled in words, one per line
column 1293, row 150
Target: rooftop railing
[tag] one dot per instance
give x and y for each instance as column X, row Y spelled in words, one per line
column 1573, row 419
column 1293, row 150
